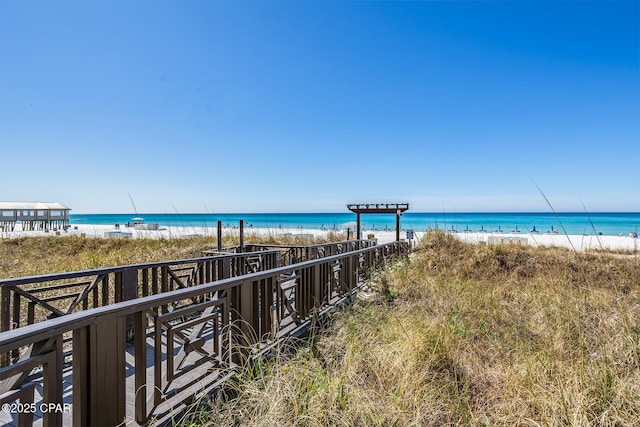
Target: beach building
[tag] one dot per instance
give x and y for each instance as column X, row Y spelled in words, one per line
column 33, row 216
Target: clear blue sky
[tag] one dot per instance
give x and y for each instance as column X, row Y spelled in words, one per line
column 204, row 106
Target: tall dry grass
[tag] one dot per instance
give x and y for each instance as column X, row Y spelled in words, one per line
column 28, row 256
column 462, row 335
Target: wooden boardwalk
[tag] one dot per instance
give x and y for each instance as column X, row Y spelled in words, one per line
column 146, row 358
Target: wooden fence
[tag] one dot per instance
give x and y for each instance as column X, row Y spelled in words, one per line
column 145, row 358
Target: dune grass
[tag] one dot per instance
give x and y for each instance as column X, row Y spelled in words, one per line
column 461, row 335
column 27, row 256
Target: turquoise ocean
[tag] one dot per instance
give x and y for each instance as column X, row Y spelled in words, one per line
column 606, row 223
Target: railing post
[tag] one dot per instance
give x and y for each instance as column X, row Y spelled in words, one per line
column 81, row 377
column 140, row 346
column 234, row 317
column 266, row 308
column 248, row 311
column 316, row 285
column 99, row 372
column 5, row 305
column 347, row 274
column 244, row 317
column 353, row 271
column 52, row 390
column 5, row 319
column 226, row 268
column 128, row 291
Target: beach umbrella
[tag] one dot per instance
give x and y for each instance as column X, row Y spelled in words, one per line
column 350, row 224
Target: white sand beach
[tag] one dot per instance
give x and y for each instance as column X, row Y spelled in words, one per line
column 577, row 242
column 164, row 232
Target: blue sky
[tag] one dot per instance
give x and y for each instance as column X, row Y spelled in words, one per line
column 204, row 106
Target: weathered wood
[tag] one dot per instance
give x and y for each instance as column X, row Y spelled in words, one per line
column 41, row 302
column 177, row 279
column 16, row 311
column 266, row 309
column 145, row 282
column 5, row 313
column 81, row 407
column 85, row 293
column 106, row 379
column 13, row 375
column 25, row 394
column 164, row 285
column 105, row 290
column 52, row 384
column 58, row 287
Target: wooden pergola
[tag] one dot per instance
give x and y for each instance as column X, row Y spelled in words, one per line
column 380, row 208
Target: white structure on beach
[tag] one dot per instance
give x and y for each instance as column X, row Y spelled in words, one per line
column 33, row 215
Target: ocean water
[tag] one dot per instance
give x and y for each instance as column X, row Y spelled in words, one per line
column 609, row 223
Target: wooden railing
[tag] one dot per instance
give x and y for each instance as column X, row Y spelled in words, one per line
column 292, row 254
column 28, row 300
column 184, row 342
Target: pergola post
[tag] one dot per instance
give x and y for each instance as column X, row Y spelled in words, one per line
column 398, row 213
column 359, row 235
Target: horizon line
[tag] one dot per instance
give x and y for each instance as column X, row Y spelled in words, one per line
column 332, row 213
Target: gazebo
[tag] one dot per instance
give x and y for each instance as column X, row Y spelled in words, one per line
column 33, row 215
column 380, row 208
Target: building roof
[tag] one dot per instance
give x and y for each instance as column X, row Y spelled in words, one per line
column 32, row 206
